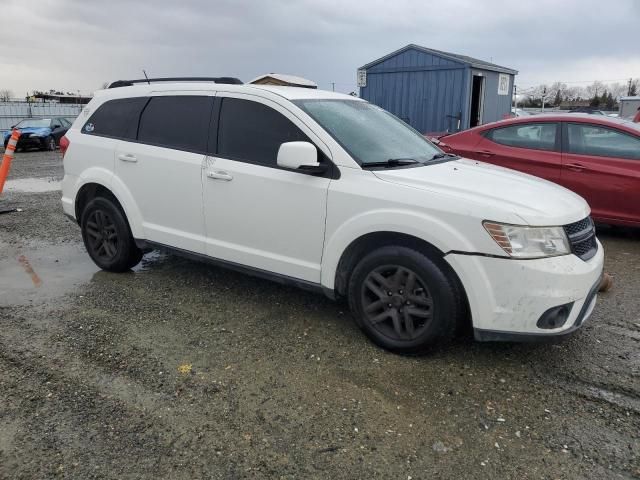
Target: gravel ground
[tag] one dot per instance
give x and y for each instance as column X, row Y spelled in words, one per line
column 181, row 370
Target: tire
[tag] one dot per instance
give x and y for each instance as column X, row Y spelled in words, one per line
column 49, row 144
column 405, row 301
column 107, row 236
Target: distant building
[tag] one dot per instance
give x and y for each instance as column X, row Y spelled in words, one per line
column 283, row 80
column 60, row 97
column 629, row 106
column 436, row 91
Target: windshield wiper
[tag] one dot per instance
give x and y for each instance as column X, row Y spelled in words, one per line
column 392, row 162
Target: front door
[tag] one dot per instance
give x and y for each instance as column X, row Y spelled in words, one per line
column 603, row 165
column 532, row 147
column 258, row 214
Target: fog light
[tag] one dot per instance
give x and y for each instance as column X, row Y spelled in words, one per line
column 555, row 317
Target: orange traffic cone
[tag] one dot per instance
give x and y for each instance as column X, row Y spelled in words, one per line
column 8, row 156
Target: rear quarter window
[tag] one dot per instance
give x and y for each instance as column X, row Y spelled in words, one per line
column 116, row 118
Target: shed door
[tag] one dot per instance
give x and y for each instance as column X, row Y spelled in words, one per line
column 477, row 100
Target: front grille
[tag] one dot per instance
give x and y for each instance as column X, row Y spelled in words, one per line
column 582, row 237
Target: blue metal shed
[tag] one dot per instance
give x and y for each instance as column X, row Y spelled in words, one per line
column 436, row 91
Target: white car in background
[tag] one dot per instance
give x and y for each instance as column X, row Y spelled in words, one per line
column 518, row 112
column 334, row 194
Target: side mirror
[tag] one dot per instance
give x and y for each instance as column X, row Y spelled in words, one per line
column 300, row 156
column 57, row 126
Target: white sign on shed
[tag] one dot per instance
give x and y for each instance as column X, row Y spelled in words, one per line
column 503, row 84
column 362, row 78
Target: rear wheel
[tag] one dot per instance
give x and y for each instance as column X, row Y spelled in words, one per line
column 107, row 236
column 403, row 300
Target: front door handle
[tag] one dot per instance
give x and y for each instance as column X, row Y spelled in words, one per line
column 219, row 175
column 127, row 157
column 485, row 153
column 576, row 167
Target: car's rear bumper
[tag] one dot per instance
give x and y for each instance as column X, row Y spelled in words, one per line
column 509, row 298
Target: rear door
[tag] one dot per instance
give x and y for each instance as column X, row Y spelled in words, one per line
column 258, row 214
column 162, row 167
column 532, row 147
column 602, row 164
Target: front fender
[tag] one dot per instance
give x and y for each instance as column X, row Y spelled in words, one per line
column 423, row 226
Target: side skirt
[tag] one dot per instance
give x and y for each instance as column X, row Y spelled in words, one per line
column 255, row 272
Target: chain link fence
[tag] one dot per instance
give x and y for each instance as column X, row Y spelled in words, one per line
column 12, row 112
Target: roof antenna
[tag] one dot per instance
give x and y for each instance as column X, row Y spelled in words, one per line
column 145, row 76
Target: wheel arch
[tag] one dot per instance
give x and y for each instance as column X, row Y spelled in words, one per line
column 93, row 189
column 369, row 242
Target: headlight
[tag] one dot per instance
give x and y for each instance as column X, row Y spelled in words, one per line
column 529, row 242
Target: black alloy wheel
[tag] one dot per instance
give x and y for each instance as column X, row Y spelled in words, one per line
column 406, row 300
column 107, row 236
column 102, row 235
column 396, row 302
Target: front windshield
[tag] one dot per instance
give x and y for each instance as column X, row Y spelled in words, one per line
column 369, row 133
column 34, row 123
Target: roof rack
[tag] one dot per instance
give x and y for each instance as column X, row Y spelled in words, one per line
column 129, row 83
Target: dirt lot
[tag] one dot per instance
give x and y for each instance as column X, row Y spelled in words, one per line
column 181, row 370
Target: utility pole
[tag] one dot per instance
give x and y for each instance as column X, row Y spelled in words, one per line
column 544, row 94
column 629, row 89
column 515, row 98
column 333, row 86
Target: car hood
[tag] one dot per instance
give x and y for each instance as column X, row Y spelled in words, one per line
column 43, row 131
column 536, row 201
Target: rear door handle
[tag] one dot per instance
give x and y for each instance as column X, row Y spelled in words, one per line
column 219, row 175
column 576, row 167
column 485, row 153
column 127, row 157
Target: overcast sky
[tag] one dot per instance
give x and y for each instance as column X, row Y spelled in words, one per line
column 80, row 44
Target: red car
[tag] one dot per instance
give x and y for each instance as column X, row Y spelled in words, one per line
column 597, row 157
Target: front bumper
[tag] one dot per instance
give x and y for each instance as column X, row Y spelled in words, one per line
column 29, row 142
column 507, row 297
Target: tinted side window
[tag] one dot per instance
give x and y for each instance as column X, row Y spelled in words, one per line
column 538, row 136
column 180, row 122
column 253, row 132
column 604, row 142
column 116, row 118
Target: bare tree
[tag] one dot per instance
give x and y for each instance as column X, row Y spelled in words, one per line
column 6, row 95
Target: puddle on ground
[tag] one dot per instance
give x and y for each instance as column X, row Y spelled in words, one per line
column 41, row 273
column 32, row 185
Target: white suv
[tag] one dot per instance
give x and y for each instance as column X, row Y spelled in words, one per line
column 329, row 192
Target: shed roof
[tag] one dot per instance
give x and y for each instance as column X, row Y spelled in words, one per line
column 290, row 79
column 473, row 62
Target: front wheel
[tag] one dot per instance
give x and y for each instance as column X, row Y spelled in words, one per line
column 403, row 300
column 49, row 144
column 107, row 236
